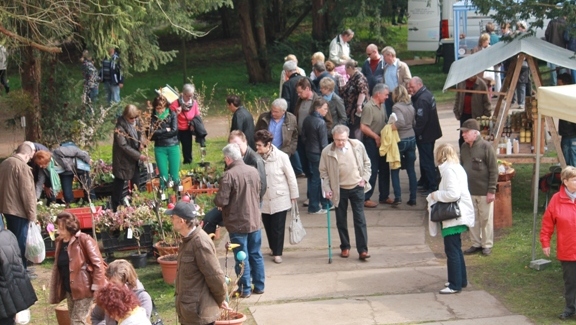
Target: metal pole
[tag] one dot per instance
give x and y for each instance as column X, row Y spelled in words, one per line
column 537, row 172
column 329, row 238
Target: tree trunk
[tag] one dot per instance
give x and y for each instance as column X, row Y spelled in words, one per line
column 31, row 76
column 319, row 21
column 275, row 20
column 225, row 21
column 253, row 35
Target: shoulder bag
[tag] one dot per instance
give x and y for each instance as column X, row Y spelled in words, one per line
column 442, row 211
column 297, row 231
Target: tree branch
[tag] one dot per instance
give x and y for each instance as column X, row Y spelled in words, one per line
column 24, row 40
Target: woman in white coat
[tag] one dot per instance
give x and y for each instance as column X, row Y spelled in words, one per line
column 453, row 187
column 281, row 192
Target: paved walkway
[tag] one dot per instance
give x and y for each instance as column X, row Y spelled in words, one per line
column 398, row 285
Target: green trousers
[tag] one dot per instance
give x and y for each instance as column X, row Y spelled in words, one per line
column 168, row 161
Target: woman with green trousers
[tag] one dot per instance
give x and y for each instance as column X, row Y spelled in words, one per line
column 164, row 126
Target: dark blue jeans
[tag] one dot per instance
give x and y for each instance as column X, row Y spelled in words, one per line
column 568, row 145
column 356, row 197
column 19, row 227
column 301, row 149
column 407, row 148
column 569, row 275
column 296, row 164
column 455, row 263
column 253, row 264
column 380, row 169
column 427, row 167
column 211, row 220
column 66, row 180
column 317, row 201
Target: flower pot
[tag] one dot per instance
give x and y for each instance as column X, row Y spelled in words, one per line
column 164, row 249
column 62, row 315
column 168, row 264
column 139, row 260
column 233, row 318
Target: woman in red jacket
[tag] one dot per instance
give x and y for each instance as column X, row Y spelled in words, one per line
column 561, row 213
column 188, row 113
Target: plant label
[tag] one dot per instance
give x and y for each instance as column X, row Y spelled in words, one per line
column 129, row 233
column 150, row 168
column 92, row 208
column 180, row 188
column 163, row 197
column 126, row 201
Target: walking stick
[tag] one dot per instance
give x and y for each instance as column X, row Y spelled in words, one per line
column 329, row 239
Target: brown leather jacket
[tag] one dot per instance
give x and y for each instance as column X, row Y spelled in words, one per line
column 86, row 269
column 239, row 198
column 200, row 288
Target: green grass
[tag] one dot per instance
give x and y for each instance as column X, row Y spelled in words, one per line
column 506, row 275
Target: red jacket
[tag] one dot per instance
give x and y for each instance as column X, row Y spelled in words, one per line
column 561, row 213
column 184, row 117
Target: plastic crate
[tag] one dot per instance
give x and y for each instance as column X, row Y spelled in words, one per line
column 84, row 216
column 117, row 241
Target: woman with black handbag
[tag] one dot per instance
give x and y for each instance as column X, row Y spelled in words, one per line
column 453, row 189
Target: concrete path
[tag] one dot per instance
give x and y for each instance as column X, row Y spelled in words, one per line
column 399, row 284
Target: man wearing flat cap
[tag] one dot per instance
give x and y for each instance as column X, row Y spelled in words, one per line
column 479, row 161
column 200, row 286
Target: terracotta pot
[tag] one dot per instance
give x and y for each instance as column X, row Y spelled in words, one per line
column 62, row 315
column 169, row 265
column 165, row 250
column 233, row 318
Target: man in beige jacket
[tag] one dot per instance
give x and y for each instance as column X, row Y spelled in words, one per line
column 17, row 194
column 345, row 171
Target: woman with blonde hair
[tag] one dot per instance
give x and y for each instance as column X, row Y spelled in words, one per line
column 560, row 215
column 316, row 57
column 289, row 57
column 452, row 188
column 122, row 273
column 404, row 124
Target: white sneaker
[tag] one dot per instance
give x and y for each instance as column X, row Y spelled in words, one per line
column 277, row 259
column 321, row 211
column 306, row 203
column 448, row 291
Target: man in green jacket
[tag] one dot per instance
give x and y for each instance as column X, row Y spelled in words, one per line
column 479, row 161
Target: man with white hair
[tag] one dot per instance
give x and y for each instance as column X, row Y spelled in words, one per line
column 281, row 124
column 289, row 86
column 479, row 162
column 18, row 194
column 239, row 199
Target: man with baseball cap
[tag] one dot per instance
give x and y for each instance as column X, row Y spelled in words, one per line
column 479, row 161
column 199, row 271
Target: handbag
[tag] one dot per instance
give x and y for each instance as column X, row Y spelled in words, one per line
column 155, row 317
column 297, row 231
column 442, row 211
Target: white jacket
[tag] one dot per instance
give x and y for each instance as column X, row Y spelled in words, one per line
column 453, row 186
column 137, row 318
column 339, row 51
column 281, row 182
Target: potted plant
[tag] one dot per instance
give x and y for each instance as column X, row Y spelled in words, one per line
column 135, row 222
column 232, row 297
column 168, row 265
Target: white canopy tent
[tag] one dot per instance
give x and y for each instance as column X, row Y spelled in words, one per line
column 487, row 58
column 560, row 102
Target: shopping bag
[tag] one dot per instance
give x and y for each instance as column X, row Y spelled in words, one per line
column 297, row 231
column 23, row 317
column 35, row 249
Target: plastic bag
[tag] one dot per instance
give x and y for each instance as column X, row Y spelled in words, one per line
column 23, row 317
column 35, row 248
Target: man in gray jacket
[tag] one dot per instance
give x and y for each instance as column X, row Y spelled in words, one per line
column 239, row 199
column 345, row 171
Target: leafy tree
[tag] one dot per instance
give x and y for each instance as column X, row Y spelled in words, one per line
column 36, row 28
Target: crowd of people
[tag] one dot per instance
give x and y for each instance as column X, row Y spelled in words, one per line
column 345, row 128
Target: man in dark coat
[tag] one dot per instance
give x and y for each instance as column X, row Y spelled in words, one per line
column 242, row 120
column 16, row 290
column 427, row 131
column 289, row 87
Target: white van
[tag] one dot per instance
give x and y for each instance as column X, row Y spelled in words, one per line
column 430, row 21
